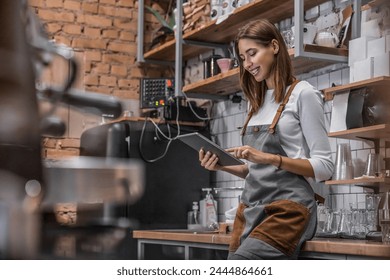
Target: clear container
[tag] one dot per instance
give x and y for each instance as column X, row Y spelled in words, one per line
column 193, row 222
column 384, row 221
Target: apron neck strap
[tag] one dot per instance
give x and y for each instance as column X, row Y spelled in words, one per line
column 248, row 118
column 271, row 128
column 282, row 105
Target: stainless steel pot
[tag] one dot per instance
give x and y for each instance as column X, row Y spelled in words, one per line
column 210, row 66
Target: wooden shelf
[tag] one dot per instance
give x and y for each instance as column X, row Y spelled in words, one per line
column 360, row 181
column 228, row 83
column 380, row 131
column 221, row 84
column 374, row 132
column 224, row 32
column 373, row 4
column 383, row 81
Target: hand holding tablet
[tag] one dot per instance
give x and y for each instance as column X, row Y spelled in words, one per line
column 197, row 141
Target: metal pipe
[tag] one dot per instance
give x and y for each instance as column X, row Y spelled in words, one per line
column 179, row 48
column 140, row 32
column 299, row 14
column 356, row 19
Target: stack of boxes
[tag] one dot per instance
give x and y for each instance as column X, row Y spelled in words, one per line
column 369, row 55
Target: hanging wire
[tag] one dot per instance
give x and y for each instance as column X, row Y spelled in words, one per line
column 141, row 141
column 159, row 132
column 193, row 111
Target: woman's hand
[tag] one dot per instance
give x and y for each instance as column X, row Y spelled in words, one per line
column 298, row 166
column 251, row 154
column 209, row 161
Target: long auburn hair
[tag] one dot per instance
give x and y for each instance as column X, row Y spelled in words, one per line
column 263, row 32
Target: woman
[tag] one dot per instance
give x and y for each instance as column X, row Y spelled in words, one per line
column 286, row 147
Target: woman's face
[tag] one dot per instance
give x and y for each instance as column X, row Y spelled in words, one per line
column 257, row 59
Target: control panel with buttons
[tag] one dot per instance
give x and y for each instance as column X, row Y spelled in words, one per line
column 156, row 92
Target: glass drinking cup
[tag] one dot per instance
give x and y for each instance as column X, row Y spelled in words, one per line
column 384, row 221
column 372, row 165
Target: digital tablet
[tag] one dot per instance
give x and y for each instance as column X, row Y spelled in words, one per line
column 197, row 141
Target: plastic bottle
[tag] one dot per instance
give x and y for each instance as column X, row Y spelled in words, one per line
column 208, row 211
column 193, row 221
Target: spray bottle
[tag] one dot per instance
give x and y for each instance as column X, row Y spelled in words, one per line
column 208, row 211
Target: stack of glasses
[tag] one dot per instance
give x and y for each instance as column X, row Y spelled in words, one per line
column 355, row 222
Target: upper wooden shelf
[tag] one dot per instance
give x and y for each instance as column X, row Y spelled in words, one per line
column 221, row 84
column 378, row 82
column 228, row 83
column 370, row 132
column 225, row 31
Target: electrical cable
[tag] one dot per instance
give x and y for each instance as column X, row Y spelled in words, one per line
column 157, row 133
column 141, row 140
column 193, row 111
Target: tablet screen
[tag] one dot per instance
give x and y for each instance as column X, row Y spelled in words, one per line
column 197, row 141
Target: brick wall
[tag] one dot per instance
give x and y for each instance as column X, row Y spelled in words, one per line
column 105, row 31
column 103, row 34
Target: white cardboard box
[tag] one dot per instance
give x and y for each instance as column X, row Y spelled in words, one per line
column 363, row 70
column 339, row 111
column 358, row 49
column 351, row 74
column 382, row 65
column 376, row 47
column 371, row 28
column 387, row 43
column 366, row 15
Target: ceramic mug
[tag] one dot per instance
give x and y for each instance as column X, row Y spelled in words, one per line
column 225, row 64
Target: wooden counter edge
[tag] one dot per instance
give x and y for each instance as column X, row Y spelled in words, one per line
column 319, row 245
column 348, row 247
column 201, row 237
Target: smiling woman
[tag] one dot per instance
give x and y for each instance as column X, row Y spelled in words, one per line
column 285, row 144
column 260, row 46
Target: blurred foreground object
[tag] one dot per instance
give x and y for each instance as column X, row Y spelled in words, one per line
column 93, row 180
column 26, row 185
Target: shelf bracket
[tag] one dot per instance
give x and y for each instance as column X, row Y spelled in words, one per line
column 299, row 48
column 374, row 140
column 158, row 62
column 207, row 96
column 374, row 186
column 224, row 47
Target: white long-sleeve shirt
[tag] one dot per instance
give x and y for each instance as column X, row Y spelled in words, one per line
column 301, row 127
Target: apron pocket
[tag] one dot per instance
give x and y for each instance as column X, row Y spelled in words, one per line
column 238, row 228
column 284, row 225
